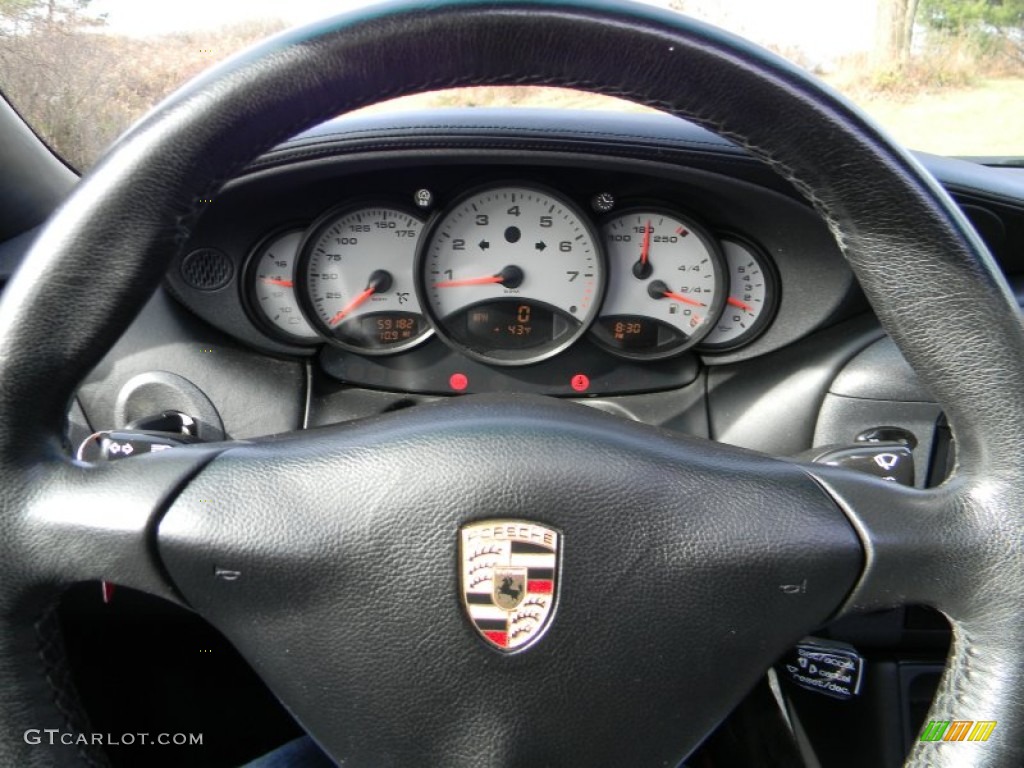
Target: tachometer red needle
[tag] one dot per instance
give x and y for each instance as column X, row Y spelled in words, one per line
column 645, row 248
column 741, row 304
column 275, row 281
column 683, row 299
column 367, row 293
column 510, row 276
column 471, row 281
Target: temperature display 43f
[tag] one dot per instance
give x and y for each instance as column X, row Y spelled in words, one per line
column 510, row 325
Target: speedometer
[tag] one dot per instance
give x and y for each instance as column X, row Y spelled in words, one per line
column 511, row 275
column 356, row 277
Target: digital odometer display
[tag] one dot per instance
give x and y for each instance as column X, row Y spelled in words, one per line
column 379, row 330
column 511, row 275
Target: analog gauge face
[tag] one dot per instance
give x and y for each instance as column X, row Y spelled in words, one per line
column 666, row 284
column 511, row 275
column 356, row 276
column 272, row 286
column 753, row 292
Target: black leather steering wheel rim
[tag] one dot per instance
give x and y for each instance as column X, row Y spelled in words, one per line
column 956, row 547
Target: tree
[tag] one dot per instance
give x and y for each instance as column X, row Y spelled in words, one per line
column 28, row 16
column 80, row 87
column 894, row 34
column 985, row 21
column 50, row 65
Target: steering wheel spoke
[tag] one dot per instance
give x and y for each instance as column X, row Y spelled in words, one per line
column 80, row 524
column 72, row 522
column 955, row 549
column 921, row 546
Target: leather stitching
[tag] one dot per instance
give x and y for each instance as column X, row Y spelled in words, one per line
column 58, row 676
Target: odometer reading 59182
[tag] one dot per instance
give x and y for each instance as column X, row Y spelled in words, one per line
column 511, row 275
column 358, row 273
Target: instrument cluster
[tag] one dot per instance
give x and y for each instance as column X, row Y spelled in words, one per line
column 511, row 274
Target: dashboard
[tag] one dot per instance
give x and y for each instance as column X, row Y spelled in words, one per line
column 508, row 274
column 441, row 270
column 379, row 261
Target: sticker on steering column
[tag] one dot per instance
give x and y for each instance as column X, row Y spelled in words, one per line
column 824, row 666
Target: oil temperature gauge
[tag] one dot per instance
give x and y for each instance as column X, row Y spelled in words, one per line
column 272, row 288
column 753, row 296
column 666, row 284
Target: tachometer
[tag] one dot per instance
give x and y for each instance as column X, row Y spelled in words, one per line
column 511, row 275
column 356, row 277
column 666, row 284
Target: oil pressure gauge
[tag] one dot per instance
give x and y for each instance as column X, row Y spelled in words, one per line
column 753, row 296
column 666, row 284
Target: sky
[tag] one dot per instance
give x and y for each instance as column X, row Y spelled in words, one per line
column 821, row 28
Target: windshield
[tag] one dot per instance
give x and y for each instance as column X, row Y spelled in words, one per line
column 944, row 76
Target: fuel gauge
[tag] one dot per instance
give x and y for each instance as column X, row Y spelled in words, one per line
column 666, row 284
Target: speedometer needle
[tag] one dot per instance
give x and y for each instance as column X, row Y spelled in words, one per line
column 379, row 282
column 741, row 304
column 658, row 290
column 511, row 277
column 276, row 281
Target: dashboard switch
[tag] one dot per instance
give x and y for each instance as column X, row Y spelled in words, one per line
column 892, row 461
column 827, row 667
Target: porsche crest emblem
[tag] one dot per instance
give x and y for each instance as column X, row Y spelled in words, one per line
column 509, row 573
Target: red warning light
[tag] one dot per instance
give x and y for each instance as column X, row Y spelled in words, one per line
column 580, row 382
column 458, row 382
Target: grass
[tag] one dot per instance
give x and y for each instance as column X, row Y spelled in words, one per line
column 986, row 118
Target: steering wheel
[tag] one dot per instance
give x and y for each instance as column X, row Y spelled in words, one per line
column 675, row 552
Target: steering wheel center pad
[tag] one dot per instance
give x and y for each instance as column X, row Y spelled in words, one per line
column 686, row 569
